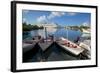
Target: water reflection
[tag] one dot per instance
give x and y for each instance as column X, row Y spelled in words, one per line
column 57, row 32
column 42, row 32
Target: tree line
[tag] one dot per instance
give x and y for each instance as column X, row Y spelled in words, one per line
column 28, row 27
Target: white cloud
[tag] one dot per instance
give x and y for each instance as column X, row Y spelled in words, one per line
column 42, row 19
column 55, row 14
column 85, row 24
column 52, row 15
column 71, row 13
column 24, row 19
column 25, row 11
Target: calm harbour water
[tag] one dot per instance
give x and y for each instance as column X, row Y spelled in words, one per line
column 57, row 54
column 69, row 34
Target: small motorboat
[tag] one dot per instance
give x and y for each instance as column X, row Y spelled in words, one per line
column 86, row 31
column 87, row 49
column 26, row 47
column 70, row 46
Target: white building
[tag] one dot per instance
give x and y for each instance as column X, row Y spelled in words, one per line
column 47, row 25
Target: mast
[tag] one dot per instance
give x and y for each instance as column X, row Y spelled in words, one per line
column 45, row 33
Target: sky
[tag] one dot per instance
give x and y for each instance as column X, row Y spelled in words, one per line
column 59, row 17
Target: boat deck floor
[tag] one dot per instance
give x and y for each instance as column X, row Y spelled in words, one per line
column 75, row 51
column 27, row 46
column 45, row 45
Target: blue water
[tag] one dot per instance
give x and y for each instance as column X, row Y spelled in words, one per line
column 69, row 34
